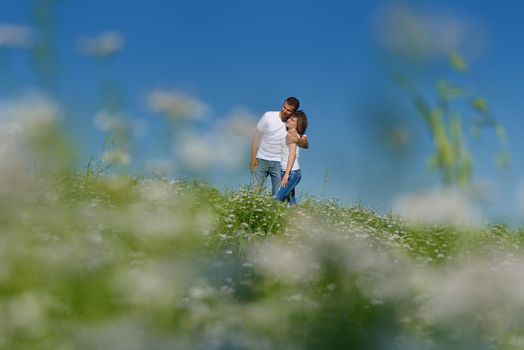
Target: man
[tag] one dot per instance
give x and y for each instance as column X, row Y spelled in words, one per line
column 266, row 147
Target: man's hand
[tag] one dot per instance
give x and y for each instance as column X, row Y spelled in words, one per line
column 254, row 149
column 302, row 142
column 292, row 137
column 253, row 164
column 285, row 180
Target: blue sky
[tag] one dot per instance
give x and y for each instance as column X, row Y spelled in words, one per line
column 251, row 55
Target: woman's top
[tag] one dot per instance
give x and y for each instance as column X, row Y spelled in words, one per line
column 285, row 155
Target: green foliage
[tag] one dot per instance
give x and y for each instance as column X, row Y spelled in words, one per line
column 452, row 159
column 480, row 105
column 86, row 261
column 244, row 216
column 458, row 63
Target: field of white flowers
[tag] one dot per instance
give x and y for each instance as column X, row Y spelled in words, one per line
column 100, row 259
column 115, row 262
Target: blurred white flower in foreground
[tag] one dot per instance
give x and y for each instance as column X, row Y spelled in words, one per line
column 221, row 145
column 176, row 106
column 117, row 157
column 154, row 283
column 196, row 151
column 160, row 166
column 106, row 44
column 437, row 206
column 492, row 286
column 240, row 122
column 285, row 263
column 486, row 190
column 115, row 334
column 15, row 36
column 119, row 123
column 156, row 191
column 26, row 313
column 519, row 193
column 409, row 31
column 107, row 121
column 21, row 120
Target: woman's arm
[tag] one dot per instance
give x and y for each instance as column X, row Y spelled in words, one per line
column 290, row 162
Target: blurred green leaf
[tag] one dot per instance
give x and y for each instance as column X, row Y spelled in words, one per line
column 475, row 132
column 423, row 108
column 503, row 160
column 480, row 105
column 432, row 162
column 399, row 137
column 500, row 130
column 448, row 92
column 455, row 129
column 465, row 169
column 458, row 63
column 402, row 81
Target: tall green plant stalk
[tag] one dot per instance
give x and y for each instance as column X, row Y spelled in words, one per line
column 451, row 157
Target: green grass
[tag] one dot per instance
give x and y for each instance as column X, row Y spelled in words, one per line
column 122, row 262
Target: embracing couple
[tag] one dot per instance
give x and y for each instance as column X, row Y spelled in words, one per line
column 275, row 148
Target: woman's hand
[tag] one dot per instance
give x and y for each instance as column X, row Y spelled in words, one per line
column 285, row 180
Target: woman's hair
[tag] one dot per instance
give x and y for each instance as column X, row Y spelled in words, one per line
column 301, row 122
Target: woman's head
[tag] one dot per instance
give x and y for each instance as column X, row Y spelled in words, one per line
column 291, row 123
column 301, row 122
column 297, row 121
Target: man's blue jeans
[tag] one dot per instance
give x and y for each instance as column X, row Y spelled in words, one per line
column 288, row 192
column 262, row 170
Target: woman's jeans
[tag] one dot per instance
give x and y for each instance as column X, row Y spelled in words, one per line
column 288, row 192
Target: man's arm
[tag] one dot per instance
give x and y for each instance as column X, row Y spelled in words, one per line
column 254, row 149
column 302, row 142
column 294, row 137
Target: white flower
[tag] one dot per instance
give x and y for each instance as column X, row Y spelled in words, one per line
column 160, row 166
column 157, row 192
column 519, row 194
column 154, row 283
column 176, row 105
column 106, row 121
column 26, row 312
column 117, row 157
column 104, row 45
column 408, row 31
column 15, row 36
column 214, row 148
column 21, row 120
column 284, row 263
column 445, row 207
column 296, row 297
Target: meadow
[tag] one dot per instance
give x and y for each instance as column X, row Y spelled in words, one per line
column 92, row 257
column 90, row 261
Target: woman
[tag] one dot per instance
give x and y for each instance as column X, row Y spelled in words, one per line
column 291, row 173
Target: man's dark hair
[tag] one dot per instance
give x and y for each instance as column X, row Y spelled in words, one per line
column 293, row 101
column 301, row 122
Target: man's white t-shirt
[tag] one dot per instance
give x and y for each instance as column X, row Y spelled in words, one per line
column 273, row 131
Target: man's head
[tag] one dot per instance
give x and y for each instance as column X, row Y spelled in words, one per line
column 290, row 106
